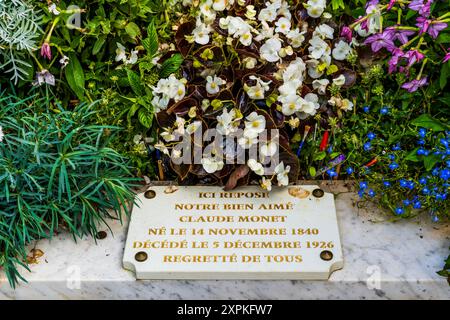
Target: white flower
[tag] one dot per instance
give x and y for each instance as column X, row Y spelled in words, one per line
column 324, row 31
column 254, row 125
column 315, row 8
column 269, row 50
column 313, row 68
column 294, row 123
column 268, row 14
column 296, row 38
column 283, row 25
column 212, row 165
column 213, row 84
column 246, row 39
column 246, row 142
column 251, row 12
column 256, row 167
column 268, row 149
column 266, row 184
column 227, row 122
column 219, row 5
column 321, row 85
column 64, row 61
column 347, row 105
column 44, row 76
column 339, row 81
column 291, row 104
column 166, row 89
column 193, row 127
column 52, row 9
column 341, row 50
column 318, row 48
column 266, row 32
column 257, row 91
column 133, row 57
column 282, row 174
column 2, row 135
column 121, row 54
column 168, row 135
column 161, row 147
column 201, row 33
column 310, row 104
column 249, row 62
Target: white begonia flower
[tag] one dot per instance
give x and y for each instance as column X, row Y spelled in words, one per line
column 219, row 5
column 315, row 8
column 266, row 184
column 201, row 33
column 2, row 135
column 246, row 142
column 176, row 154
column 294, row 123
column 318, row 48
column 227, row 122
column 254, row 125
column 291, row 104
column 207, row 11
column 166, row 89
column 282, row 174
column 341, row 50
column 266, row 32
column 310, row 104
column 162, row 147
column 324, row 31
column 180, row 123
column 268, row 149
column 212, row 165
column 269, row 50
column 249, row 62
column 321, row 85
column 295, row 70
column 339, row 81
column 268, row 14
column 121, row 54
column 283, row 25
column 213, row 84
column 246, row 39
column 313, row 68
column 286, row 51
column 288, row 88
column 168, row 135
column 133, row 57
column 257, row 92
column 295, row 38
column 193, row 127
column 256, row 167
column 52, row 9
column 251, row 12
column 347, row 105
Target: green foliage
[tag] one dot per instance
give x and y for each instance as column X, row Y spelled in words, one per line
column 56, row 172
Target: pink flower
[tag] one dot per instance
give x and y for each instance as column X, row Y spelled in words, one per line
column 413, row 57
column 347, row 33
column 431, row 27
column 447, row 56
column 414, row 85
column 46, row 51
column 391, row 4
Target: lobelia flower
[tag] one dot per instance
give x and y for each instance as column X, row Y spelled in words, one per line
column 433, row 28
column 414, row 85
column 46, row 51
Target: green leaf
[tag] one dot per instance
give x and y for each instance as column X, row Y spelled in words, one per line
column 98, row 45
column 151, row 42
column 75, row 76
column 320, row 156
column 312, row 171
column 145, row 117
column 412, row 156
column 135, row 83
column 428, row 122
column 171, row 65
column 430, row 161
column 132, row 29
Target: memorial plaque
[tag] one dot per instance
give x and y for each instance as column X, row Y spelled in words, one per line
column 207, row 233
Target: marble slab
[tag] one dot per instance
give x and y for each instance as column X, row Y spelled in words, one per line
column 383, row 260
column 208, row 233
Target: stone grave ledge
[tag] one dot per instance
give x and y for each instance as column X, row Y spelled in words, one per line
column 382, row 260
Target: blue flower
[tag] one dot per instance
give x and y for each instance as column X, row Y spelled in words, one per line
column 426, row 191
column 421, row 142
column 399, row 211
column 332, row 173
column 445, row 174
column 421, row 152
column 391, row 157
column 371, row 193
column 366, row 109
column 435, row 172
column 403, row 183
column 422, row 132
column 363, row 185
column 371, row 135
column 367, row 146
column 410, row 185
column 423, row 180
column 444, row 143
column 434, row 218
column 406, row 202
column 397, row 147
column 350, row 170
column 417, row 205
column 361, row 193
column 387, row 184
column 384, row 110
column 393, row 166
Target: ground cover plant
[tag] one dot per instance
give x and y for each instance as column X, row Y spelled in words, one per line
column 354, row 89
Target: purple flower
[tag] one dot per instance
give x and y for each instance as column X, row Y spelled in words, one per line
column 44, row 76
column 347, row 33
column 414, row 85
column 46, row 52
column 391, row 4
column 413, row 57
column 393, row 62
column 447, row 56
column 379, row 41
column 422, row 8
column 398, row 34
column 431, row 27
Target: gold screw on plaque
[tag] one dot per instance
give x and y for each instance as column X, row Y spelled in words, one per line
column 326, row 255
column 150, row 194
column 101, row 235
column 318, row 193
column 141, row 256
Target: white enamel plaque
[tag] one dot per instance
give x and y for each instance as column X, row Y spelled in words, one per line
column 207, row 233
